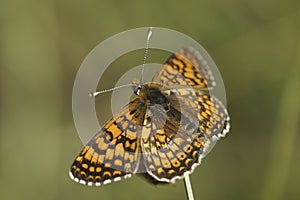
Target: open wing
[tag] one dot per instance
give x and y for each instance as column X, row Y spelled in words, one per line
column 185, row 68
column 174, row 144
column 113, row 153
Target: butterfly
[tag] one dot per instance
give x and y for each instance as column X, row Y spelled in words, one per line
column 163, row 132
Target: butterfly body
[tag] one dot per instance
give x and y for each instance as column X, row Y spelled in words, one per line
column 152, row 93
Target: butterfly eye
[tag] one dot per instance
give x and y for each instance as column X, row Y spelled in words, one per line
column 137, row 89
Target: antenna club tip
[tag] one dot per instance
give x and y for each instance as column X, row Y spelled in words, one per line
column 91, row 94
column 149, row 33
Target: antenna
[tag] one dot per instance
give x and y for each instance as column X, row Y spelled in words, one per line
column 93, row 94
column 149, row 33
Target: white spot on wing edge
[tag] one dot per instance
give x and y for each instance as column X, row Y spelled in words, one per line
column 128, row 176
column 90, row 183
column 193, row 167
column 97, row 184
column 107, row 181
column 71, row 175
column 117, row 179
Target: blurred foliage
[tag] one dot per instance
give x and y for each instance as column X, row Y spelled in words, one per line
column 255, row 44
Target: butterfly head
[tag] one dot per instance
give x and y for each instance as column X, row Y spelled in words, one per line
column 137, row 86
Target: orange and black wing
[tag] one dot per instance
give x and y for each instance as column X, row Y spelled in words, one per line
column 185, row 67
column 113, row 153
column 212, row 115
column 176, row 138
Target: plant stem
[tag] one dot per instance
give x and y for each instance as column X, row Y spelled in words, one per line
column 188, row 187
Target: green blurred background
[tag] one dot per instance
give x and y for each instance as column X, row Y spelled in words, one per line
column 255, row 44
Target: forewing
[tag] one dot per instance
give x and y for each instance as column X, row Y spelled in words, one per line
column 113, row 153
column 186, row 67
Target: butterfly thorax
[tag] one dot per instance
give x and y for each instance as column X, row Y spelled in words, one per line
column 153, row 93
